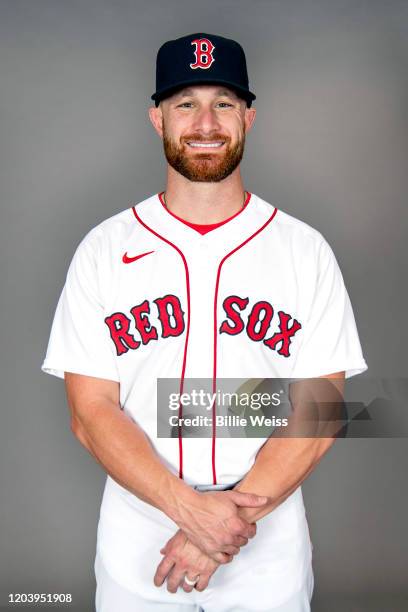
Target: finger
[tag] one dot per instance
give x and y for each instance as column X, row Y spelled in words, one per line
column 250, row 531
column 165, row 549
column 220, row 557
column 231, row 550
column 175, row 579
column 162, row 570
column 237, row 541
column 202, row 582
column 240, row 541
column 244, row 530
column 247, row 499
column 188, row 587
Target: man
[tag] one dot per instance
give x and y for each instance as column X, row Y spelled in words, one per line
column 202, row 280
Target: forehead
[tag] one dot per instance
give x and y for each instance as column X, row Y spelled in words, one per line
column 205, row 90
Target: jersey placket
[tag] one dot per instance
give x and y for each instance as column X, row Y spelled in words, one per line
column 203, row 258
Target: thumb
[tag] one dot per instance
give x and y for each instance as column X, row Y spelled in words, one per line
column 248, row 499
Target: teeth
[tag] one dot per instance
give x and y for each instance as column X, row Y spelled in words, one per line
column 205, row 144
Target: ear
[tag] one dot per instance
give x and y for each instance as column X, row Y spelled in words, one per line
column 156, row 117
column 250, row 114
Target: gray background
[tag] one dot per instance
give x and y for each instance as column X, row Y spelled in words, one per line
column 329, row 147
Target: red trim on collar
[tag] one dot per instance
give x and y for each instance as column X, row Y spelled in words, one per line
column 200, row 227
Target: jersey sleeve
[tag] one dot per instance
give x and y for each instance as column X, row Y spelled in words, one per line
column 331, row 342
column 79, row 341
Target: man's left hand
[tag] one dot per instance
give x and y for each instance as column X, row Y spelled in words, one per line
column 182, row 558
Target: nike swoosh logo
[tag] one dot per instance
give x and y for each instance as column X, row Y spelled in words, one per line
column 127, row 259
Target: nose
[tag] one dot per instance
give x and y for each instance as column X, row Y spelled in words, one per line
column 206, row 120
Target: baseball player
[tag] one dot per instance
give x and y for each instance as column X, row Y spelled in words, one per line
column 204, row 279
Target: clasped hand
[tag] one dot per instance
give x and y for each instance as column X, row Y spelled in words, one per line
column 211, row 533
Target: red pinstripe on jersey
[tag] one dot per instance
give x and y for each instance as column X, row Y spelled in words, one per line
column 183, row 369
column 217, row 284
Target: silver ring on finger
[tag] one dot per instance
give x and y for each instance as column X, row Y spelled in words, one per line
column 191, row 582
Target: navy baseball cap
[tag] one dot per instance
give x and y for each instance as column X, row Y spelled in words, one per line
column 199, row 59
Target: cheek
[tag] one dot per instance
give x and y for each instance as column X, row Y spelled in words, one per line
column 236, row 128
column 236, row 133
column 178, row 128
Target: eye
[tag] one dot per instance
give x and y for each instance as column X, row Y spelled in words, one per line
column 225, row 104
column 185, row 105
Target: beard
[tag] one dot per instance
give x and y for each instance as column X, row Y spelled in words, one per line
column 203, row 167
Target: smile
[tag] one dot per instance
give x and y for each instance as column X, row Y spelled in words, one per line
column 206, row 145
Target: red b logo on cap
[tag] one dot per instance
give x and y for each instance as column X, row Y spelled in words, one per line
column 203, row 53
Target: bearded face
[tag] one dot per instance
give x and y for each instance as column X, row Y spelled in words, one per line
column 203, row 159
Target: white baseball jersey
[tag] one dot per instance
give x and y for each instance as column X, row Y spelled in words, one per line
column 147, row 297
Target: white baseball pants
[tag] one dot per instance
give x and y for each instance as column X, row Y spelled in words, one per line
column 112, row 597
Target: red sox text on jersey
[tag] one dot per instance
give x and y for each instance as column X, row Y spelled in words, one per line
column 170, row 322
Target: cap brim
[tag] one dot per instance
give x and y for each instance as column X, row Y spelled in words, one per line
column 168, row 91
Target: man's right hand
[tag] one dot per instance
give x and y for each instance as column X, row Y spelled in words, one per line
column 212, row 522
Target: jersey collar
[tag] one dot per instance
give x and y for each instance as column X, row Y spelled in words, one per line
column 219, row 241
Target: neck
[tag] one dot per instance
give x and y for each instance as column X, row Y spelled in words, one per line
column 204, row 203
